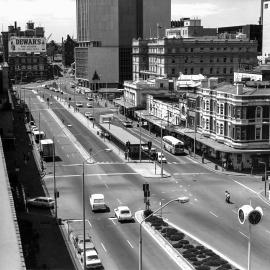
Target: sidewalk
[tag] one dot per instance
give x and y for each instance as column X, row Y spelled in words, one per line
column 42, row 240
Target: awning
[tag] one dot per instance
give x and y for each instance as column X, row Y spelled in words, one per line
column 125, row 104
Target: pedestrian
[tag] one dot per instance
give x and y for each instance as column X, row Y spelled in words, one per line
column 227, row 196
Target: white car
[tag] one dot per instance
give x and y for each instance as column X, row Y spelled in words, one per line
column 161, row 158
column 89, row 105
column 89, row 115
column 77, row 240
column 97, row 202
column 46, row 202
column 123, row 213
column 92, row 259
column 79, row 104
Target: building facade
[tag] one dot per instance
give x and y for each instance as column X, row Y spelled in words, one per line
column 266, row 29
column 106, row 28
column 25, row 52
column 202, row 55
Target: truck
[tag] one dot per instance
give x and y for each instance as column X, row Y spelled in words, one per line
column 46, row 148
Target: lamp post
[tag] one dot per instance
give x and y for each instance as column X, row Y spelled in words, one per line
column 83, row 198
column 265, row 174
column 180, row 200
column 161, row 146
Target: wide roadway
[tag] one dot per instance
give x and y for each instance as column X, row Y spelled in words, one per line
column 206, row 216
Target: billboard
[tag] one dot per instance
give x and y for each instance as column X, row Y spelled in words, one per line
column 27, row 44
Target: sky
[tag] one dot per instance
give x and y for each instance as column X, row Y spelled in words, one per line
column 59, row 16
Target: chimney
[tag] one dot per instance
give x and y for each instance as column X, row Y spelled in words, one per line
column 212, row 82
column 15, row 25
column 239, row 88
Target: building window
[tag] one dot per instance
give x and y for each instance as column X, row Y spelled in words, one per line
column 201, row 70
column 224, row 70
column 238, row 113
column 217, row 129
column 191, row 49
column 221, row 129
column 231, row 70
column 211, row 70
column 265, row 6
column 217, row 60
column 173, row 60
column 185, row 71
column 258, row 133
column 225, row 59
column 221, row 109
column 238, row 133
column 173, row 71
column 259, row 112
column 217, row 70
column 207, row 124
column 207, row 105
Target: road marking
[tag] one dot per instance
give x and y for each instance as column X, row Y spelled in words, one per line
column 246, row 187
column 235, row 212
column 192, row 173
column 106, row 186
column 243, row 234
column 195, row 199
column 129, row 244
column 113, row 220
column 267, row 231
column 213, row 213
column 103, row 247
column 93, row 174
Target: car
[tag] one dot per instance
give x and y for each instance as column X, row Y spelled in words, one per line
column 123, row 213
column 77, row 240
column 79, row 104
column 33, row 129
column 161, row 158
column 90, row 98
column 127, row 124
column 89, row 115
column 97, row 202
column 151, row 153
column 45, row 202
column 89, row 105
column 92, row 260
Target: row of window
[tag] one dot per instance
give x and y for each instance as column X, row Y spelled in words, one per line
column 199, row 49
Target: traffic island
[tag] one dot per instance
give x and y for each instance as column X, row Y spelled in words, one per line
column 196, row 254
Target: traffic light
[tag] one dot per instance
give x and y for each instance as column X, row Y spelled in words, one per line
column 128, row 144
column 146, row 190
column 246, row 212
column 149, row 145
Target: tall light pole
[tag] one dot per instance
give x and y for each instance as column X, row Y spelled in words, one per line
column 161, row 146
column 265, row 174
column 140, row 125
column 54, row 181
column 180, row 200
column 83, row 198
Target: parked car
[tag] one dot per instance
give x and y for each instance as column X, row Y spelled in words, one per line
column 89, row 115
column 89, row 105
column 77, row 240
column 46, row 202
column 79, row 104
column 161, row 158
column 123, row 213
column 97, row 202
column 92, row 259
column 90, row 98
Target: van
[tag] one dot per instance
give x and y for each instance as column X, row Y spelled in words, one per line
column 97, row 202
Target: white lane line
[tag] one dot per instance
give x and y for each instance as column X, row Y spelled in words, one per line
column 113, row 220
column 243, row 234
column 106, row 186
column 213, row 214
column 267, row 231
column 129, row 244
column 195, row 199
column 246, row 187
column 235, row 212
column 103, row 247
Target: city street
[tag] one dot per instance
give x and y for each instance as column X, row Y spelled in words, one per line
column 206, row 216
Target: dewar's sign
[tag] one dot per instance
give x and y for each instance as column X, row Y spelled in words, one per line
column 25, row 44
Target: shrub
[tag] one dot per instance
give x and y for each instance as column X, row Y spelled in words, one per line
column 177, row 245
column 193, row 259
column 201, row 256
column 165, row 224
column 212, row 263
column 176, row 237
column 197, row 263
column 184, row 242
column 200, row 247
column 225, row 267
column 147, row 212
column 203, row 267
column 189, row 246
column 157, row 227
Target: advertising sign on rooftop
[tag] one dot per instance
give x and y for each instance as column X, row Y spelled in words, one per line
column 27, row 44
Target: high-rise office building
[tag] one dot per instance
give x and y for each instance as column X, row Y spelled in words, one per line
column 105, row 29
column 266, row 28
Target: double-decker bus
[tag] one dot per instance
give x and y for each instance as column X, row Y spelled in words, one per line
column 173, row 145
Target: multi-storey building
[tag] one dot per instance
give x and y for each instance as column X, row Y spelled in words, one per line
column 252, row 32
column 266, row 28
column 105, row 30
column 25, row 52
column 201, row 55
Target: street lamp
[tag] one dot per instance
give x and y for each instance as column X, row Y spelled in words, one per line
column 83, row 198
column 179, row 200
column 265, row 174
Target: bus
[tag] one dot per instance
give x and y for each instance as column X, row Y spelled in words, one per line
column 173, row 145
